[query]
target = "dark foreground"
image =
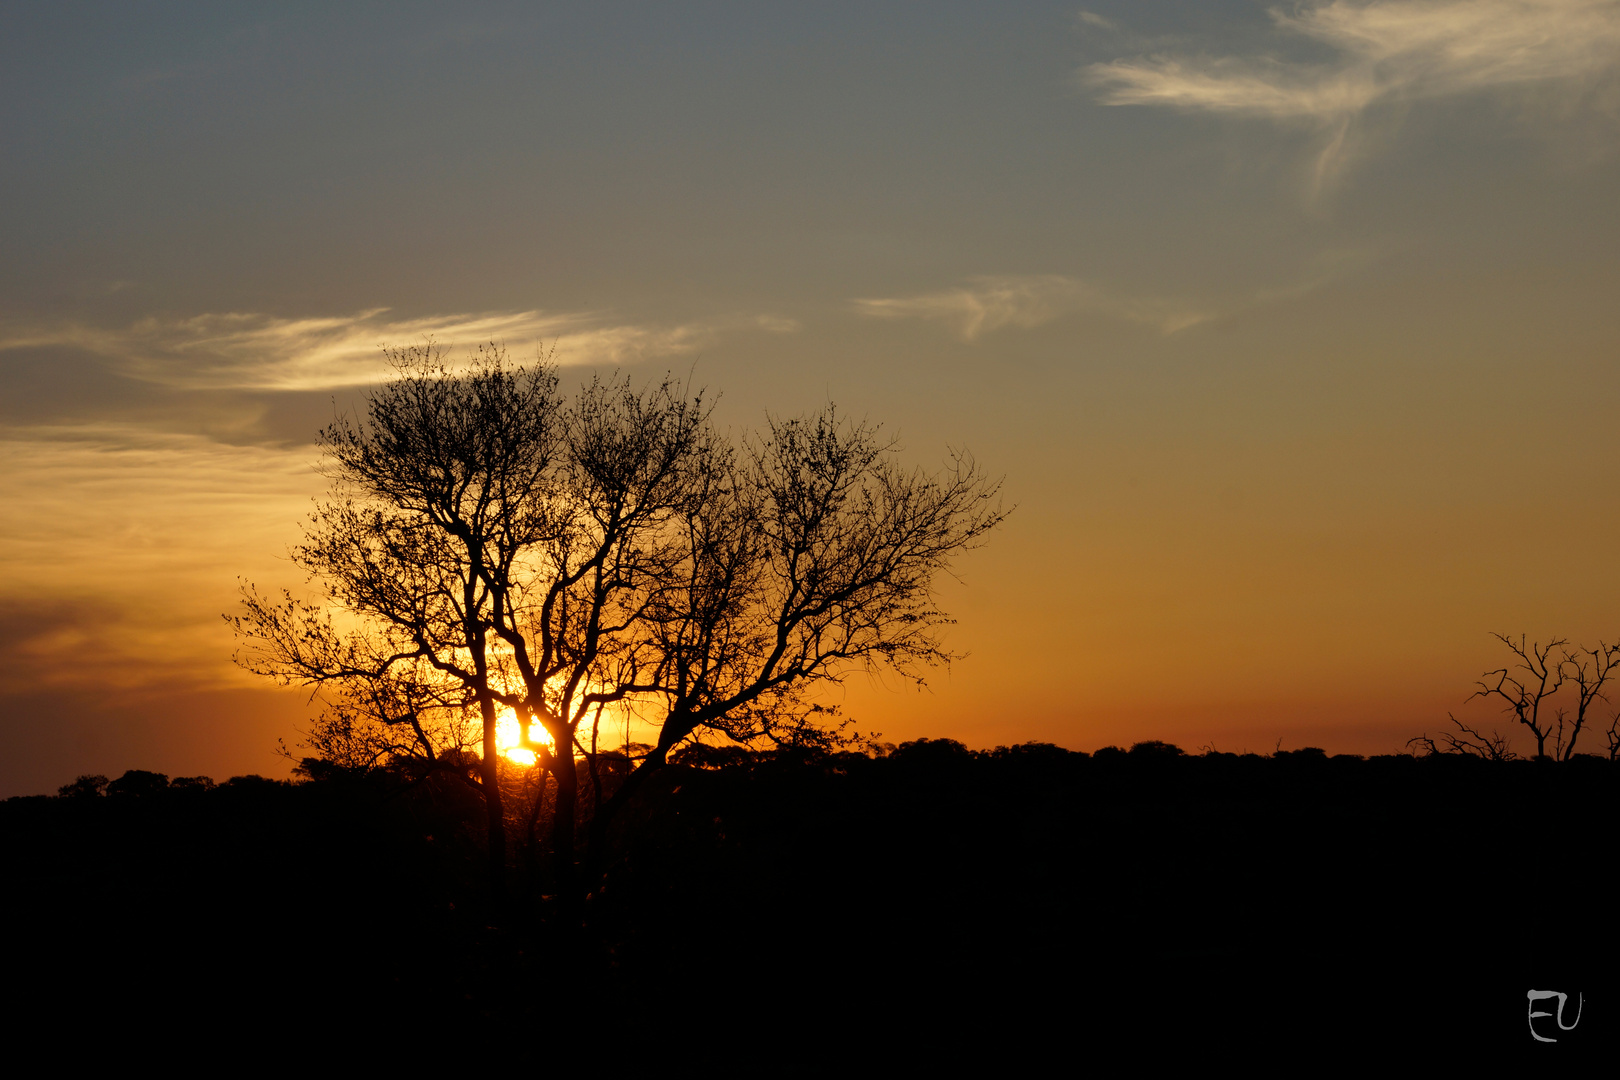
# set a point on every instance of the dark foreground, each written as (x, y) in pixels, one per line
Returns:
(933, 904)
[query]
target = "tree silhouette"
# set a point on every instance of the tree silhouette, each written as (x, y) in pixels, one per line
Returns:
(489, 547)
(88, 786)
(1524, 695)
(1588, 670)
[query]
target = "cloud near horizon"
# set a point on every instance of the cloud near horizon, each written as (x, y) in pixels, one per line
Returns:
(991, 302)
(1384, 51)
(122, 546)
(249, 351)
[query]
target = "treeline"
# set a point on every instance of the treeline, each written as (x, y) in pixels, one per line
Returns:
(1293, 897)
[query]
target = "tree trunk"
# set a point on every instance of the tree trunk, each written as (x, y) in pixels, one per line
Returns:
(671, 734)
(491, 772)
(565, 771)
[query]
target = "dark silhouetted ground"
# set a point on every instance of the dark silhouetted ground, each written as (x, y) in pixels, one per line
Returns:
(931, 904)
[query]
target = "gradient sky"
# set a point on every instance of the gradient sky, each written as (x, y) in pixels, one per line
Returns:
(1293, 330)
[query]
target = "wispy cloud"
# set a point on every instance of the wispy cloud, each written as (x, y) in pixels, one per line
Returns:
(263, 352)
(1383, 51)
(990, 303)
(129, 541)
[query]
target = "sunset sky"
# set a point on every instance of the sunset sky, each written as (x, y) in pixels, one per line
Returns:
(1293, 329)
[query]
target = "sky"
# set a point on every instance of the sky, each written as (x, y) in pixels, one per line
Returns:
(1292, 328)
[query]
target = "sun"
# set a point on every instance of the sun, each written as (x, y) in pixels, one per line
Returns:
(508, 733)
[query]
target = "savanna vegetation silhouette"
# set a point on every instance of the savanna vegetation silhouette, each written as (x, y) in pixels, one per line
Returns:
(813, 905)
(571, 788)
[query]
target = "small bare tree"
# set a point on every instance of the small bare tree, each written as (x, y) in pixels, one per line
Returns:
(1465, 740)
(1524, 695)
(1588, 670)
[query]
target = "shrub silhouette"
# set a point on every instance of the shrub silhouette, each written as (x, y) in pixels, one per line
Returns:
(89, 786)
(138, 783)
(1155, 748)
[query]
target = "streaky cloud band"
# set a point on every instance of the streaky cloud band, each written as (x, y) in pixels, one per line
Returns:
(251, 351)
(989, 303)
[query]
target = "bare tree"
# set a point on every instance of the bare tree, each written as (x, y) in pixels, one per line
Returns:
(1588, 670)
(1613, 734)
(490, 548)
(1524, 695)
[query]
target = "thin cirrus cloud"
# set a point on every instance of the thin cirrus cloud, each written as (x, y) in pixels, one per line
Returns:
(123, 544)
(985, 304)
(1383, 52)
(262, 352)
